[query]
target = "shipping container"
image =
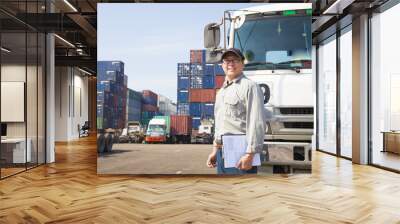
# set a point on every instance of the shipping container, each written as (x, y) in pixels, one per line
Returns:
(181, 125)
(209, 69)
(112, 95)
(183, 82)
(183, 69)
(149, 93)
(196, 69)
(196, 82)
(208, 82)
(183, 96)
(208, 110)
(149, 97)
(195, 109)
(197, 56)
(134, 105)
(108, 85)
(196, 121)
(219, 81)
(202, 95)
(166, 106)
(218, 70)
(149, 108)
(183, 109)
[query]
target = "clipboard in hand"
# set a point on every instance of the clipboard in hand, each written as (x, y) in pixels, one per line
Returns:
(233, 148)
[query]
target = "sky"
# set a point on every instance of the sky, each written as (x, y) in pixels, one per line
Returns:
(152, 38)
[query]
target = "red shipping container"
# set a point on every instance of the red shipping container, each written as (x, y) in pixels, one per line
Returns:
(149, 93)
(149, 108)
(181, 125)
(219, 81)
(202, 95)
(196, 56)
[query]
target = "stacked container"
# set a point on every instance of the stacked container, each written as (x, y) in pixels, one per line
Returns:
(149, 106)
(197, 84)
(166, 106)
(134, 105)
(111, 95)
(150, 101)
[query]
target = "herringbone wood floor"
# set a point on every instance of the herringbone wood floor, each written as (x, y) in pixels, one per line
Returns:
(69, 191)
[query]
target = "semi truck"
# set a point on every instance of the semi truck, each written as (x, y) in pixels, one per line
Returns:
(169, 129)
(276, 42)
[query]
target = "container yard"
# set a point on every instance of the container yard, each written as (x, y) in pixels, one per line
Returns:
(197, 85)
(122, 111)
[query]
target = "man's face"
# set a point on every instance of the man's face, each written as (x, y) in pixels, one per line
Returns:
(232, 65)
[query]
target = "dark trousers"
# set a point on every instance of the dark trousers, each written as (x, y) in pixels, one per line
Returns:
(222, 170)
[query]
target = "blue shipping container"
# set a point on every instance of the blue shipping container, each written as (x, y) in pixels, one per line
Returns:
(108, 86)
(208, 82)
(209, 69)
(196, 69)
(203, 110)
(150, 100)
(183, 82)
(196, 82)
(183, 69)
(183, 108)
(183, 96)
(219, 70)
(195, 109)
(208, 110)
(196, 122)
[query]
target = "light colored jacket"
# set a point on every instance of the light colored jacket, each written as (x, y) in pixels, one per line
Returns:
(239, 109)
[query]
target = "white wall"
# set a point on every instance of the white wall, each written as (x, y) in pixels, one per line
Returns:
(71, 102)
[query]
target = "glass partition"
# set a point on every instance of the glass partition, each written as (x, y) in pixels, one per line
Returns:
(327, 95)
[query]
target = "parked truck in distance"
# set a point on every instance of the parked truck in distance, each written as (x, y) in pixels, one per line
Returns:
(135, 132)
(205, 134)
(169, 129)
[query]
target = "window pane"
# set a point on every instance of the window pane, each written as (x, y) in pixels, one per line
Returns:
(385, 88)
(346, 94)
(327, 96)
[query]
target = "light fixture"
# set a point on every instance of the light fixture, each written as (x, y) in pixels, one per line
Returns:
(64, 40)
(70, 5)
(5, 50)
(84, 71)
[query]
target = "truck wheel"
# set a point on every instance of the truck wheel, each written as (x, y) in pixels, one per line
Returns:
(108, 142)
(100, 143)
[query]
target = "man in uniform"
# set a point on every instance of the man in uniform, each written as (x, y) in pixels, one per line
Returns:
(239, 109)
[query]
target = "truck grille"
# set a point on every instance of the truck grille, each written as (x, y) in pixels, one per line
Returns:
(297, 110)
(306, 125)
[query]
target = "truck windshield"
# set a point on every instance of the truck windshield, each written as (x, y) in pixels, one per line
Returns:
(275, 42)
(156, 128)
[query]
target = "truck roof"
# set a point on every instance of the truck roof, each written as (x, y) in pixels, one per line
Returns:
(271, 7)
(157, 121)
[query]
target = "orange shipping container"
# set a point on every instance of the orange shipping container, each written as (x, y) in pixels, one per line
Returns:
(202, 95)
(181, 124)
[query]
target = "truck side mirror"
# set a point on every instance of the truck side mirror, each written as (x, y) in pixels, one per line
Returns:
(212, 35)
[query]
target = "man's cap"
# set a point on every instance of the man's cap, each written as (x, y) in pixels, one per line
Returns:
(235, 51)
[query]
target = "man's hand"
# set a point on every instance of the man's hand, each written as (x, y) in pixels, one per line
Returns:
(246, 162)
(212, 159)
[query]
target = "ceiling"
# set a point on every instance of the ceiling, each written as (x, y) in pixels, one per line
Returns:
(75, 22)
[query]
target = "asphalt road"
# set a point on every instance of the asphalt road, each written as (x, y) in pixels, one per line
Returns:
(156, 159)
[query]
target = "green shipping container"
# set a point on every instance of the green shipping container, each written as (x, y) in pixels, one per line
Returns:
(167, 122)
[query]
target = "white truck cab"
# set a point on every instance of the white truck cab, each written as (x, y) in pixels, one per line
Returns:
(276, 42)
